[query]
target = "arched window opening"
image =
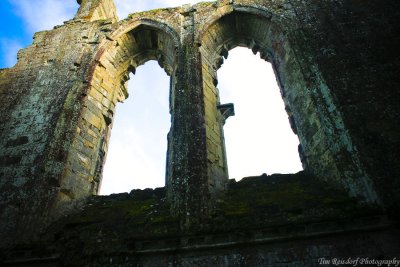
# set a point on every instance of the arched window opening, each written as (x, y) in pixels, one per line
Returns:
(258, 138)
(136, 155)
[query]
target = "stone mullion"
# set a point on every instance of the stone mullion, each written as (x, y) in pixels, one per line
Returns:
(187, 187)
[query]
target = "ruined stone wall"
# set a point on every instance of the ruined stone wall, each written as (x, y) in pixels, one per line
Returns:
(335, 62)
(41, 104)
(355, 45)
(308, 252)
(278, 34)
(289, 220)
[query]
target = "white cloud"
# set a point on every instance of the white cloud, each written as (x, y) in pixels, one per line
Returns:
(258, 138)
(44, 14)
(9, 49)
(137, 151)
(129, 165)
(36, 16)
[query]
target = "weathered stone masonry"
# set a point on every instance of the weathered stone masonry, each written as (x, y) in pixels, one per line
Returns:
(336, 63)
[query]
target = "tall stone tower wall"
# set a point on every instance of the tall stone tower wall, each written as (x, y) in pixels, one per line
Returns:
(336, 63)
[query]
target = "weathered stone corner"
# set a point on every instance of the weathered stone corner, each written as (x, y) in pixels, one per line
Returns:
(92, 10)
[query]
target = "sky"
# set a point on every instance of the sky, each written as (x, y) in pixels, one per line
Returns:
(258, 138)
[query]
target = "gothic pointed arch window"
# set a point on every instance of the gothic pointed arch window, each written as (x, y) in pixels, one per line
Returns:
(136, 157)
(135, 45)
(258, 138)
(309, 105)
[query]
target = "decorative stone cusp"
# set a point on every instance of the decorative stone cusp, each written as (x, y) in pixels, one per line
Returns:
(226, 110)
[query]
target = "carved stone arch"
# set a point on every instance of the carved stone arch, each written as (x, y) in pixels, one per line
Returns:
(310, 106)
(129, 25)
(134, 25)
(128, 47)
(224, 10)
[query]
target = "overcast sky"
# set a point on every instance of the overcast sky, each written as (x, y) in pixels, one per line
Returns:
(258, 139)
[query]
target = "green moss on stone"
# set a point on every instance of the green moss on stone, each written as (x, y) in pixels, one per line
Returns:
(280, 199)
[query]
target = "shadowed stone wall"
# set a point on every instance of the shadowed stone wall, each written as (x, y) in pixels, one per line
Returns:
(336, 63)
